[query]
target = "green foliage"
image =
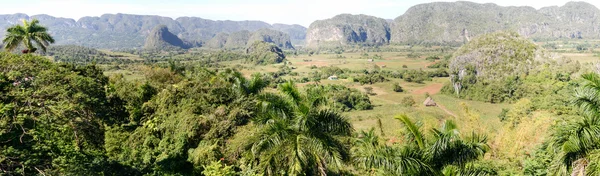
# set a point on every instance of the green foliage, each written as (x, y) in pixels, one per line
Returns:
(52, 118)
(218, 169)
(27, 33)
(413, 55)
(397, 87)
(297, 135)
(408, 101)
(503, 67)
(264, 53)
(340, 97)
(370, 77)
(445, 153)
(576, 143)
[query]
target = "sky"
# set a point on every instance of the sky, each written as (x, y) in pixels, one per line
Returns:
(301, 12)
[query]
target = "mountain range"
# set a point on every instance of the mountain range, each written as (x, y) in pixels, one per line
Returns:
(130, 31)
(430, 23)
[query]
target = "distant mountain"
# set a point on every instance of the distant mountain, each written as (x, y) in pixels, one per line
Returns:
(238, 40)
(296, 32)
(203, 29)
(243, 39)
(130, 31)
(348, 29)
(218, 41)
(280, 39)
(448, 22)
(431, 23)
(160, 38)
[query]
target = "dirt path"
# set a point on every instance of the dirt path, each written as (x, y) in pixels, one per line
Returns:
(432, 89)
(446, 110)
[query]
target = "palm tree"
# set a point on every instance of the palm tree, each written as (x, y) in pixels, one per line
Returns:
(298, 135)
(27, 33)
(447, 153)
(578, 142)
(370, 155)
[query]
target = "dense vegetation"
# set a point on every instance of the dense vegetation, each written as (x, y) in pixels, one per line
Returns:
(501, 67)
(82, 111)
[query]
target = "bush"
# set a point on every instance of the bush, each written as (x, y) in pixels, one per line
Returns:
(218, 169)
(398, 88)
(408, 101)
(341, 97)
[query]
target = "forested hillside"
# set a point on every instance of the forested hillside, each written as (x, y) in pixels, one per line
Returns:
(115, 31)
(448, 22)
(455, 22)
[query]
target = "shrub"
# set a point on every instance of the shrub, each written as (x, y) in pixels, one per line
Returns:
(218, 169)
(398, 88)
(408, 101)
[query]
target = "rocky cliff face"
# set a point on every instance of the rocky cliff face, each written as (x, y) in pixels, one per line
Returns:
(160, 38)
(447, 22)
(348, 29)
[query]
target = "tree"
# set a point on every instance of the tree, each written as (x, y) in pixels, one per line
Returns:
(397, 88)
(447, 152)
(298, 135)
(370, 155)
(52, 118)
(26, 33)
(577, 143)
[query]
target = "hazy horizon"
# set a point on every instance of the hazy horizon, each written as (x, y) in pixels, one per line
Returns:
(287, 12)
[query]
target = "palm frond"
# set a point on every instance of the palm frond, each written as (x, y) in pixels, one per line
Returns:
(30, 30)
(290, 89)
(414, 131)
(328, 122)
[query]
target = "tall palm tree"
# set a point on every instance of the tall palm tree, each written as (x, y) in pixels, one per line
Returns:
(27, 34)
(298, 136)
(578, 142)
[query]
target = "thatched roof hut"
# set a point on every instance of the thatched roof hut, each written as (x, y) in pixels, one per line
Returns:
(429, 102)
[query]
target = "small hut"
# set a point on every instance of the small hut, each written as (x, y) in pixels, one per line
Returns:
(370, 60)
(429, 102)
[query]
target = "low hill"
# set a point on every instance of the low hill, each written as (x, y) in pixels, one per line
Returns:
(264, 53)
(160, 38)
(497, 67)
